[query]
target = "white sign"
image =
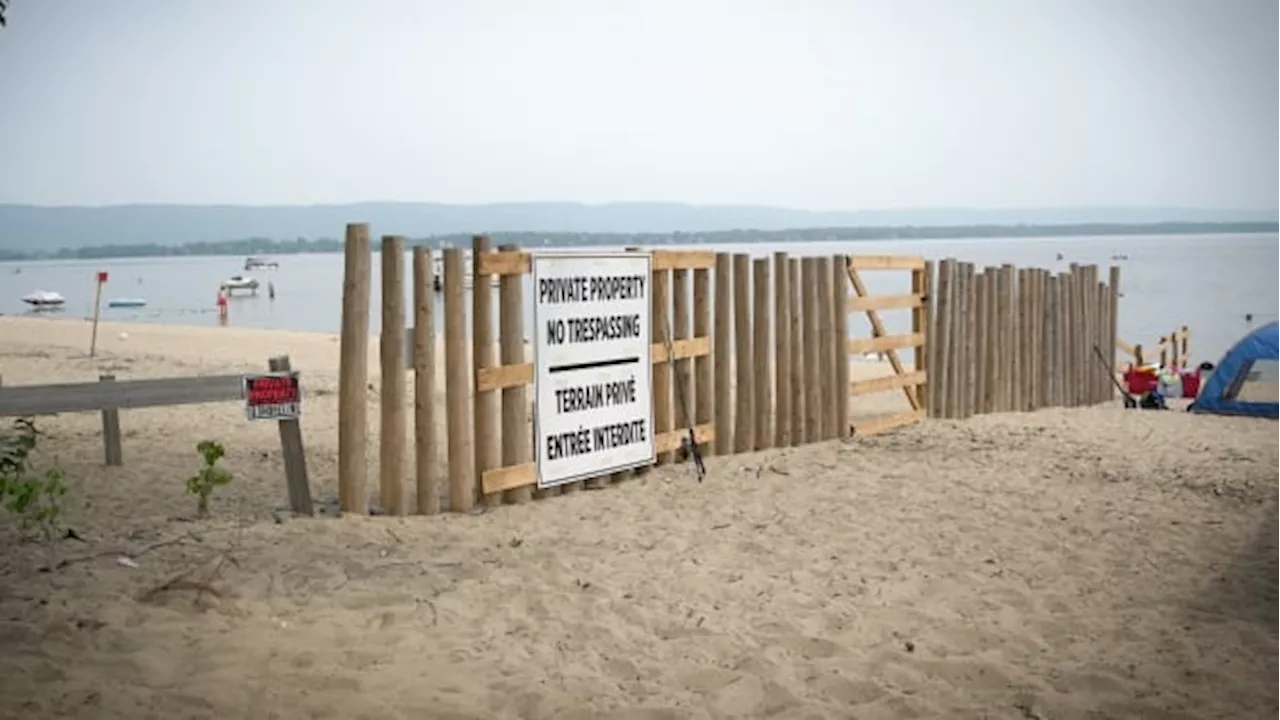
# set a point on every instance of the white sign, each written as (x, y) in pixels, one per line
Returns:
(593, 372)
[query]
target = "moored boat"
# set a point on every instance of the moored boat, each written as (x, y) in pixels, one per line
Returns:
(126, 303)
(44, 299)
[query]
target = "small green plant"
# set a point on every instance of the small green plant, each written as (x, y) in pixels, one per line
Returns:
(210, 476)
(32, 494)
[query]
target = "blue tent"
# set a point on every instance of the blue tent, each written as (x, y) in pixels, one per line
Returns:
(1253, 359)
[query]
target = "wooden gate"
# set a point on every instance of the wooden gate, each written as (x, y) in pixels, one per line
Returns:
(910, 380)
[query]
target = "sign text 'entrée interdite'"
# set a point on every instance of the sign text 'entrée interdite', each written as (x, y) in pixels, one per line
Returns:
(592, 365)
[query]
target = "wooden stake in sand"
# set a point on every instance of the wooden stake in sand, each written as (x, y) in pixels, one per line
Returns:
(97, 311)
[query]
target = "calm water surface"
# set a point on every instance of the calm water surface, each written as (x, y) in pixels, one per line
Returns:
(1207, 282)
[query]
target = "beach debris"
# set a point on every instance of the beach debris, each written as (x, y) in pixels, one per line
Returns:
(126, 562)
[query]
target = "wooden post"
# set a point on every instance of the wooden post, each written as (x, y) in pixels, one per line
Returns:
(921, 281)
(292, 453)
(353, 373)
(840, 343)
(703, 404)
(945, 365)
(812, 366)
(825, 349)
(424, 383)
(682, 388)
(1024, 339)
(723, 349)
(517, 437)
(112, 445)
(391, 437)
(966, 345)
(457, 388)
(782, 350)
(660, 301)
(97, 312)
(487, 438)
(1008, 338)
(795, 333)
(981, 358)
(991, 319)
(1052, 364)
(1113, 322)
(744, 426)
(761, 395)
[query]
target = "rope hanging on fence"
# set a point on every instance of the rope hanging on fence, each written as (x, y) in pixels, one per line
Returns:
(689, 445)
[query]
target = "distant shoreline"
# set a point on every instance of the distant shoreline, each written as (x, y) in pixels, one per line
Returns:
(304, 246)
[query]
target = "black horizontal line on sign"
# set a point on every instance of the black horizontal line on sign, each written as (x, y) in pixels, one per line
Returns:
(611, 362)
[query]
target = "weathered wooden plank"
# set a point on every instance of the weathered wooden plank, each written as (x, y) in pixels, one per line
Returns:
(886, 262)
(17, 400)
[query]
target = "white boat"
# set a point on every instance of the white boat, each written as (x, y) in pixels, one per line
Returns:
(240, 282)
(126, 303)
(254, 263)
(44, 299)
(467, 278)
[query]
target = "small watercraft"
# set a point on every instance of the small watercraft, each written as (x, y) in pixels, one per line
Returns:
(126, 303)
(240, 282)
(254, 263)
(44, 299)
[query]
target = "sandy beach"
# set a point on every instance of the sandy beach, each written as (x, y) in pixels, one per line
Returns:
(1084, 563)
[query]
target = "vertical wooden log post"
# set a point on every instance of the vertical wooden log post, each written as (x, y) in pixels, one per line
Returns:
(921, 281)
(1113, 322)
(660, 302)
(391, 435)
(826, 351)
(840, 342)
(812, 367)
(517, 435)
(1024, 339)
(682, 387)
(487, 438)
(459, 375)
(943, 369)
(782, 350)
(967, 347)
(723, 349)
(292, 453)
(991, 371)
(795, 306)
(112, 443)
(425, 448)
(761, 394)
(704, 391)
(353, 373)
(981, 359)
(1008, 338)
(744, 426)
(1052, 364)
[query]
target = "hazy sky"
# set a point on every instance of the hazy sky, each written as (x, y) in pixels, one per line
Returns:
(821, 104)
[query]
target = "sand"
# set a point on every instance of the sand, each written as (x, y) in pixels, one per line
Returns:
(1094, 563)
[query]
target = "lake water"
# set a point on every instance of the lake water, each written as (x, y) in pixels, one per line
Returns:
(1206, 282)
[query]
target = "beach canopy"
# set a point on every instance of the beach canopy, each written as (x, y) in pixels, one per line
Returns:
(1245, 382)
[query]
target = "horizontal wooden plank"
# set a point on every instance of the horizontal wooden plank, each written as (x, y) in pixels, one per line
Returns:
(504, 262)
(1124, 347)
(888, 382)
(683, 260)
(672, 440)
(504, 376)
(884, 302)
(681, 349)
(885, 423)
(886, 262)
(19, 400)
(508, 478)
(886, 342)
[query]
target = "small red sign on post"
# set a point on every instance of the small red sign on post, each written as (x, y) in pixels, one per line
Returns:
(102, 276)
(273, 396)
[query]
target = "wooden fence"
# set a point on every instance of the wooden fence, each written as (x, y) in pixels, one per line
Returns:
(1010, 340)
(745, 355)
(1172, 350)
(110, 396)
